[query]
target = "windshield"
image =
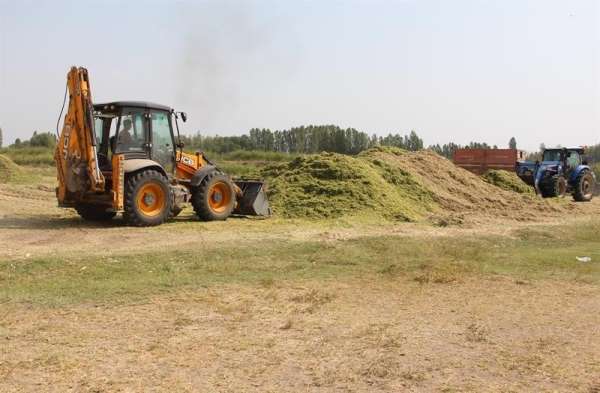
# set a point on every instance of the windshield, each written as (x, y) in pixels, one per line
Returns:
(552, 155)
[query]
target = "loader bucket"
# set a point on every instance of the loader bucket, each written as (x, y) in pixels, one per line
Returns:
(253, 201)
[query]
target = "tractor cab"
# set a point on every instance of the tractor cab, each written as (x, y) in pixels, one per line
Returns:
(137, 130)
(569, 158)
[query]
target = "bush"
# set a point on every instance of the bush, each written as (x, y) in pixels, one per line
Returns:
(45, 139)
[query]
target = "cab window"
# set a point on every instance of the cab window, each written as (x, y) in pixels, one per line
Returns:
(162, 140)
(552, 155)
(574, 159)
(131, 135)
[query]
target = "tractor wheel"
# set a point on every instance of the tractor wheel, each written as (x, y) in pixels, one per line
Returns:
(584, 187)
(147, 201)
(94, 212)
(559, 183)
(214, 198)
(554, 187)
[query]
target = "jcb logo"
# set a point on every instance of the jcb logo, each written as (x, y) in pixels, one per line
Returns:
(187, 161)
(67, 136)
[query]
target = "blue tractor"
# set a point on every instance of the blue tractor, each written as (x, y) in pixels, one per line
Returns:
(560, 172)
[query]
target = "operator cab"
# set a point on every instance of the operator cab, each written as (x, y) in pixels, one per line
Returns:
(573, 157)
(138, 130)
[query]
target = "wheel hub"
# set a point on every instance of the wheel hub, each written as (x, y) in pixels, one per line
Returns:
(217, 196)
(149, 199)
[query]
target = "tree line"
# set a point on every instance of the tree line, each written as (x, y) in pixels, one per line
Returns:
(42, 139)
(310, 139)
(328, 138)
(303, 139)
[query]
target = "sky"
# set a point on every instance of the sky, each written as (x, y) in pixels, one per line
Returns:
(460, 70)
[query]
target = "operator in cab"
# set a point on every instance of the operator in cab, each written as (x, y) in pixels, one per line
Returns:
(125, 134)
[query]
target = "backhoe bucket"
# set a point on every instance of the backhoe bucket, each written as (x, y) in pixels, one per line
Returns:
(254, 200)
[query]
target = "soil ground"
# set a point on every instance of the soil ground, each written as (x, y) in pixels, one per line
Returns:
(378, 327)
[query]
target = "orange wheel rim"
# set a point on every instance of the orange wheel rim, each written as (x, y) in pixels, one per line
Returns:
(151, 199)
(219, 196)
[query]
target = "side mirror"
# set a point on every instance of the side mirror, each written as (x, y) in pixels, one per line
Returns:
(180, 145)
(585, 162)
(184, 116)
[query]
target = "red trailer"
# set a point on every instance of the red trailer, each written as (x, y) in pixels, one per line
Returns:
(479, 161)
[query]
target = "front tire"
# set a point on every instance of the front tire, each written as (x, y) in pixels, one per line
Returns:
(584, 187)
(214, 198)
(147, 199)
(556, 187)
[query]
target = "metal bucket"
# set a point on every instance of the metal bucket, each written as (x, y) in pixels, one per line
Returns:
(254, 201)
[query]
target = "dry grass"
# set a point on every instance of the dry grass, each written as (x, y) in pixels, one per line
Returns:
(372, 336)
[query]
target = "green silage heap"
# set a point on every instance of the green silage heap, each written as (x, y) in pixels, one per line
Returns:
(508, 181)
(330, 185)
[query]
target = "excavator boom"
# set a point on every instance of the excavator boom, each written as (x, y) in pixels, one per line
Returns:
(76, 154)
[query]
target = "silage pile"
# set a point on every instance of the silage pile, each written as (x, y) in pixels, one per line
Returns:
(391, 183)
(9, 170)
(508, 181)
(332, 185)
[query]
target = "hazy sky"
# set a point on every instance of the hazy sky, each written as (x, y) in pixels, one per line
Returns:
(457, 70)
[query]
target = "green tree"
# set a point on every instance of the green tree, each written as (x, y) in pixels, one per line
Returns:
(44, 139)
(0, 137)
(512, 144)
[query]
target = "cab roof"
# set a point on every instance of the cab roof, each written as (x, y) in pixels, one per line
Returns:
(579, 149)
(135, 104)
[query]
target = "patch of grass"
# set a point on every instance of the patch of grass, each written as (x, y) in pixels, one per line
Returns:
(241, 169)
(252, 155)
(55, 280)
(9, 171)
(30, 156)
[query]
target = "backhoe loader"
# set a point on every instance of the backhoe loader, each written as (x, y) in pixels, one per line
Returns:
(126, 157)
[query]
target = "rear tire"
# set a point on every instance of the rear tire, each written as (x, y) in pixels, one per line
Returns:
(584, 187)
(94, 212)
(214, 198)
(147, 199)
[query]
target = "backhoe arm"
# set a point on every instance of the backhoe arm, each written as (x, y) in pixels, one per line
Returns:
(76, 154)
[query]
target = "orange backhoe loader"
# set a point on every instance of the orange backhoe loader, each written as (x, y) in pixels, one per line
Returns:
(126, 157)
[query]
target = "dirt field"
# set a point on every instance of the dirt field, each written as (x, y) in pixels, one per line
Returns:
(355, 305)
